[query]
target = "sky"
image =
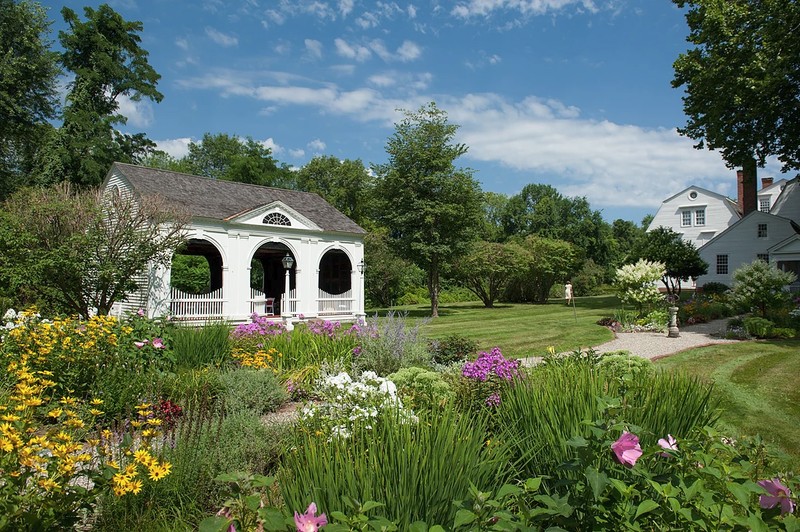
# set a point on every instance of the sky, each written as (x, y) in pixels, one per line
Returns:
(571, 93)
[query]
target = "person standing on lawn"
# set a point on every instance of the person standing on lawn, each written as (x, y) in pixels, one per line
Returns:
(568, 292)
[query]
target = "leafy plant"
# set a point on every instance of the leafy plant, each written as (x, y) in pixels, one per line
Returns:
(254, 390)
(195, 347)
(388, 344)
(421, 389)
(454, 348)
(761, 286)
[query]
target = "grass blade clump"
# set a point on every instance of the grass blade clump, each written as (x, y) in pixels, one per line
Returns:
(194, 347)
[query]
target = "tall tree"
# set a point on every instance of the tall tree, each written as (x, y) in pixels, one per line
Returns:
(232, 158)
(742, 80)
(345, 184)
(28, 71)
(431, 208)
(488, 268)
(679, 257)
(108, 64)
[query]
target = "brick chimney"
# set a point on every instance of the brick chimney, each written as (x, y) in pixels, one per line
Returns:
(766, 181)
(747, 193)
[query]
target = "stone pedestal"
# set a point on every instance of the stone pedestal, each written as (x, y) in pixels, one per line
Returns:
(673, 323)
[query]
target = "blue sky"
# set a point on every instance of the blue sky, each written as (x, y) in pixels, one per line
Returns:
(571, 93)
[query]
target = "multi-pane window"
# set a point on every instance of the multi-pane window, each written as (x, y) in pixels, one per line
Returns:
(762, 230)
(700, 217)
(763, 205)
(722, 265)
(276, 218)
(686, 218)
(763, 256)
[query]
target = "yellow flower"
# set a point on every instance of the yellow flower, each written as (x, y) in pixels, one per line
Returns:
(56, 412)
(136, 424)
(149, 433)
(142, 456)
(48, 484)
(10, 417)
(135, 486)
(6, 445)
(96, 412)
(159, 471)
(154, 421)
(96, 402)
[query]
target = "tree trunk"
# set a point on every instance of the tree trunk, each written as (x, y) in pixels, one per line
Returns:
(433, 289)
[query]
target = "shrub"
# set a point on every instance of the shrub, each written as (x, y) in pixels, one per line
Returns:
(416, 469)
(254, 390)
(714, 288)
(421, 389)
(761, 286)
(636, 284)
(622, 364)
(388, 344)
(758, 327)
(454, 348)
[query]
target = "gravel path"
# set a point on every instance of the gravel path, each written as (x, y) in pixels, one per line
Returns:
(656, 345)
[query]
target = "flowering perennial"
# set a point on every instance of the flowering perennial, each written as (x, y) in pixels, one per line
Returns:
(309, 521)
(627, 449)
(493, 363)
(779, 495)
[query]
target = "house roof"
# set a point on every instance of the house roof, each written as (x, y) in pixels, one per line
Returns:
(725, 199)
(733, 227)
(222, 200)
(789, 189)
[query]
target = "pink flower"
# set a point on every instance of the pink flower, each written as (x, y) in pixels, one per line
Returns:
(140, 344)
(140, 312)
(627, 449)
(226, 512)
(158, 343)
(778, 494)
(308, 522)
(668, 444)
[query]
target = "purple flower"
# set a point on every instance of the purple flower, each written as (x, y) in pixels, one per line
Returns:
(668, 444)
(141, 344)
(488, 364)
(627, 449)
(778, 494)
(308, 522)
(356, 350)
(158, 343)
(493, 400)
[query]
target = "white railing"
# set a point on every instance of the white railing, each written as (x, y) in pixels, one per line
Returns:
(328, 304)
(261, 304)
(184, 306)
(291, 301)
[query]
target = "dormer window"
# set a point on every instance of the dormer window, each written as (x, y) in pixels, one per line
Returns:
(276, 218)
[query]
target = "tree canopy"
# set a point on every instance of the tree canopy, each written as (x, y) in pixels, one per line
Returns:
(742, 80)
(680, 258)
(431, 208)
(104, 55)
(345, 184)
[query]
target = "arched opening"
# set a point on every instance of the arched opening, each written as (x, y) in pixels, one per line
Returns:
(335, 283)
(268, 278)
(197, 267)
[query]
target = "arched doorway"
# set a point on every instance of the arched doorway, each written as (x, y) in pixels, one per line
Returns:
(196, 281)
(268, 279)
(335, 283)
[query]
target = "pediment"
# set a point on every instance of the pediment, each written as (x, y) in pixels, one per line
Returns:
(275, 215)
(791, 246)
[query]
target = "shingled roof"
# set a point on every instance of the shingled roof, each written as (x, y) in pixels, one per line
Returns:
(221, 200)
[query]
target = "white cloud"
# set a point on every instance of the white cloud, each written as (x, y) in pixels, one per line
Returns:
(412, 11)
(182, 43)
(221, 38)
(316, 145)
(484, 8)
(272, 145)
(313, 48)
(177, 148)
(139, 114)
(274, 17)
(367, 20)
(345, 7)
(356, 52)
(408, 51)
(283, 47)
(297, 153)
(343, 70)
(382, 80)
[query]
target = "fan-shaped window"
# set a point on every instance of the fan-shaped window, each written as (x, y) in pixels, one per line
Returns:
(276, 218)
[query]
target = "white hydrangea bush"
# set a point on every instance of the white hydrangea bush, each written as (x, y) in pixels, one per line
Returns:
(345, 403)
(636, 283)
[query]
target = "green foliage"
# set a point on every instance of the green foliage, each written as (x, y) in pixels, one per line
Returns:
(763, 328)
(762, 287)
(190, 273)
(388, 276)
(389, 344)
(680, 257)
(739, 81)
(421, 389)
(454, 348)
(194, 347)
(79, 250)
(623, 365)
(488, 268)
(635, 284)
(28, 73)
(431, 208)
(714, 289)
(104, 55)
(444, 450)
(539, 419)
(345, 184)
(549, 262)
(701, 308)
(588, 281)
(252, 390)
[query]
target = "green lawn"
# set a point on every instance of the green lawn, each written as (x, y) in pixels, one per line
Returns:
(520, 330)
(757, 382)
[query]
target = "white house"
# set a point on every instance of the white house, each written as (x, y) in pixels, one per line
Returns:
(311, 255)
(769, 193)
(697, 214)
(772, 236)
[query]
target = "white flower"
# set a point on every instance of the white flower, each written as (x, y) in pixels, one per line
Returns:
(388, 387)
(10, 315)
